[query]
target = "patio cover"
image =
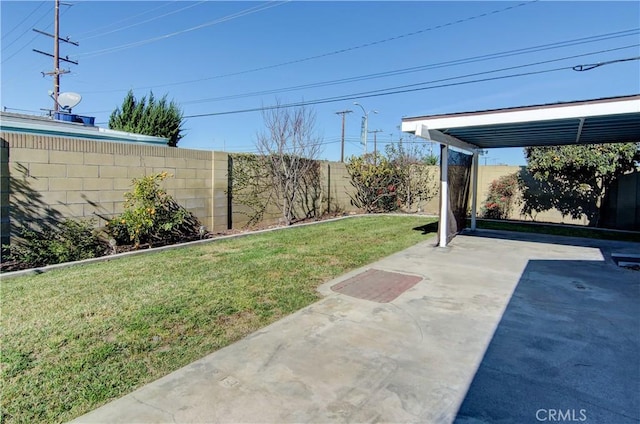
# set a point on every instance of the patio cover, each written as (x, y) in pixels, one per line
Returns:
(604, 120)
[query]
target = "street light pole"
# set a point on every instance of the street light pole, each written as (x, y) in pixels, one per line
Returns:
(366, 124)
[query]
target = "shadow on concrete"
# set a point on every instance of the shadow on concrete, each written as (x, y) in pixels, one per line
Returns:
(567, 346)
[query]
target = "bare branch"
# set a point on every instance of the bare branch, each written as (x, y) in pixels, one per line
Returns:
(291, 147)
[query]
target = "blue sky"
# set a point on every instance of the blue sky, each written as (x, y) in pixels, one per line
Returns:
(213, 57)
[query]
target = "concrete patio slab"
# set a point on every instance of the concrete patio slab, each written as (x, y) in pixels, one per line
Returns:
(501, 327)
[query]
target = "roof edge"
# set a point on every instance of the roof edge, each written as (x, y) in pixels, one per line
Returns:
(524, 108)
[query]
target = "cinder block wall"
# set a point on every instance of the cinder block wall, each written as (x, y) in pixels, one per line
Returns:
(219, 172)
(82, 179)
(49, 178)
(487, 174)
(336, 187)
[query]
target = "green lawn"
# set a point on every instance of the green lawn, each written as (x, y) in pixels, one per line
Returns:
(76, 338)
(559, 230)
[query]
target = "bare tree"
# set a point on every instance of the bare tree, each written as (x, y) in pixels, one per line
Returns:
(291, 147)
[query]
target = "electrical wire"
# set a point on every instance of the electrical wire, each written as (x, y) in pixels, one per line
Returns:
(144, 22)
(128, 18)
(583, 68)
(336, 52)
(242, 13)
(458, 61)
(4, 48)
(406, 89)
(21, 49)
(24, 20)
(438, 65)
(543, 62)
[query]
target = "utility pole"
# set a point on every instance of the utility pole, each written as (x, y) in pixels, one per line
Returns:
(56, 53)
(343, 113)
(375, 144)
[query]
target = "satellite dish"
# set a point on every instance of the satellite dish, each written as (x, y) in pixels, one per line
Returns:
(69, 100)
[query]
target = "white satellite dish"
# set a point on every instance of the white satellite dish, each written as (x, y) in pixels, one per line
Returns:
(69, 100)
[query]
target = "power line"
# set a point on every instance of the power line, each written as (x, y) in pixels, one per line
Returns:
(128, 18)
(4, 48)
(590, 66)
(335, 52)
(144, 22)
(173, 34)
(23, 21)
(509, 68)
(406, 89)
(437, 65)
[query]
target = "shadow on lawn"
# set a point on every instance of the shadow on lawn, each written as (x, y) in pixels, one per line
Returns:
(429, 228)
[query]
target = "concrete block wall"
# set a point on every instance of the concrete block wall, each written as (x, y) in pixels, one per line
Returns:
(336, 187)
(487, 174)
(218, 193)
(83, 179)
(339, 194)
(49, 178)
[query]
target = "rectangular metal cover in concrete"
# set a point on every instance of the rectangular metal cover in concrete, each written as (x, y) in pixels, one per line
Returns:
(376, 285)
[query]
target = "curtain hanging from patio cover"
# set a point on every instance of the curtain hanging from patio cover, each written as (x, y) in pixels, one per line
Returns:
(459, 178)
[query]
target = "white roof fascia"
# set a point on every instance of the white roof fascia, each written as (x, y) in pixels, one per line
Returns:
(134, 136)
(52, 127)
(522, 116)
(434, 135)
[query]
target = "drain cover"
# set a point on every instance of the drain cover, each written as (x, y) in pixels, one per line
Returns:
(376, 285)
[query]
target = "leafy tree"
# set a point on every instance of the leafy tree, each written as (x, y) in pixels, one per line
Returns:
(149, 116)
(431, 159)
(575, 179)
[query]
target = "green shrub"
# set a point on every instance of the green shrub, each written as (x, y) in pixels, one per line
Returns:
(376, 183)
(152, 216)
(398, 180)
(69, 241)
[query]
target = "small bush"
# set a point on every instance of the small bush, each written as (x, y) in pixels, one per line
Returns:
(70, 241)
(398, 180)
(152, 216)
(501, 197)
(376, 183)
